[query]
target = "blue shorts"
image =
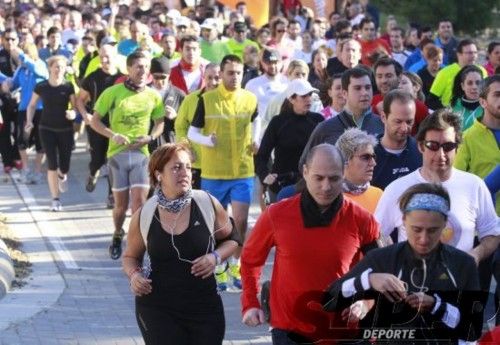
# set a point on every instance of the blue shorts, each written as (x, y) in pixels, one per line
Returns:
(225, 191)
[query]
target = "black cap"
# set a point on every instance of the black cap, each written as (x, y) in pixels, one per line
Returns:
(240, 27)
(270, 55)
(160, 65)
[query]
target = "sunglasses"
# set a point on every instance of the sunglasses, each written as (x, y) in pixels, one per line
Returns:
(10, 39)
(280, 31)
(159, 76)
(367, 157)
(435, 146)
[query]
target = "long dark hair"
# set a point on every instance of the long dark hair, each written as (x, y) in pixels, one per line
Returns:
(457, 92)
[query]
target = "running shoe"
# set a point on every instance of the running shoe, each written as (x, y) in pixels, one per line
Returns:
(18, 164)
(91, 182)
(24, 177)
(115, 248)
(234, 273)
(221, 277)
(63, 183)
(56, 206)
(36, 178)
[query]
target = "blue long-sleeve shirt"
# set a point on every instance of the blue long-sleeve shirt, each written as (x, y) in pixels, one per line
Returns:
(27, 75)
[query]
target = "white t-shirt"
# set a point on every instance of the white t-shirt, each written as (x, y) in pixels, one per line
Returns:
(299, 54)
(471, 209)
(265, 89)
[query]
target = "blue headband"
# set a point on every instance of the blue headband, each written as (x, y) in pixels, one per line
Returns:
(428, 202)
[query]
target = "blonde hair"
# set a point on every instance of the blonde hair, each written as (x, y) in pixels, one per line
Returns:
(56, 58)
(296, 64)
(31, 50)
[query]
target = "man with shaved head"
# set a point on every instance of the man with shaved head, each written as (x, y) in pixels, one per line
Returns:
(318, 235)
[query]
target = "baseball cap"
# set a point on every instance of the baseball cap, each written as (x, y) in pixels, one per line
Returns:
(108, 40)
(173, 13)
(270, 55)
(209, 23)
(182, 21)
(240, 26)
(160, 65)
(299, 87)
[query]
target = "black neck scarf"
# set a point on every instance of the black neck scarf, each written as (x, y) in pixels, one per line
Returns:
(311, 213)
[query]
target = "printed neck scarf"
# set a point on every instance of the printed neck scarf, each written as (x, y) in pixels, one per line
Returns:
(174, 205)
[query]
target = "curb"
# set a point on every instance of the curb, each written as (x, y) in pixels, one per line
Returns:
(45, 284)
(7, 273)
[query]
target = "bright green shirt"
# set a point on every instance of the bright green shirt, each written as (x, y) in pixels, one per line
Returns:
(214, 51)
(478, 153)
(185, 116)
(130, 113)
(237, 48)
(442, 86)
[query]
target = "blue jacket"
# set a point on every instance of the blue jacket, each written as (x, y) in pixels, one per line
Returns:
(391, 166)
(45, 53)
(27, 75)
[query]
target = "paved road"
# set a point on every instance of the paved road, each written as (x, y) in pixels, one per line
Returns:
(77, 294)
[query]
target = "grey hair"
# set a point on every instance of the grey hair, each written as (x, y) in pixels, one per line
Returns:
(352, 140)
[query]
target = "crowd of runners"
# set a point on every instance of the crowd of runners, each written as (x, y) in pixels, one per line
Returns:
(352, 135)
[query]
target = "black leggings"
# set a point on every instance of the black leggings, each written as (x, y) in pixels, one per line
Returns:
(98, 149)
(160, 327)
(57, 147)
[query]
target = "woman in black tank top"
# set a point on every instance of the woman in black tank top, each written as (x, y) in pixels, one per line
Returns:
(177, 301)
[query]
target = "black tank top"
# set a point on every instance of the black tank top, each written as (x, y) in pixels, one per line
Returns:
(174, 287)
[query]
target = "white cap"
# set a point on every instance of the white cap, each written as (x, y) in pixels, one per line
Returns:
(209, 23)
(173, 13)
(183, 21)
(299, 87)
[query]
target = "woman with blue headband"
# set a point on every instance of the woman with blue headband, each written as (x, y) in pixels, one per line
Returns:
(424, 291)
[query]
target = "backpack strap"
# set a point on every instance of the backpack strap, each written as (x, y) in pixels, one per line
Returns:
(207, 208)
(146, 217)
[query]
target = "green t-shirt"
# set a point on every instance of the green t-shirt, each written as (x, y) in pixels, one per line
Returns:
(237, 48)
(213, 52)
(442, 86)
(130, 113)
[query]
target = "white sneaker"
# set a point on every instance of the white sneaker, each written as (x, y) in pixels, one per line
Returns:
(63, 183)
(36, 178)
(24, 177)
(56, 206)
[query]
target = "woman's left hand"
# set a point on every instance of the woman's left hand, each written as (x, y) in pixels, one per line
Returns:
(204, 266)
(420, 301)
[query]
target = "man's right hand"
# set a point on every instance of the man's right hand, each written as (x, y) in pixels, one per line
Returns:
(254, 317)
(389, 285)
(120, 139)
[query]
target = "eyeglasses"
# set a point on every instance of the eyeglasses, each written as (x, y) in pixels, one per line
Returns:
(159, 76)
(435, 146)
(367, 157)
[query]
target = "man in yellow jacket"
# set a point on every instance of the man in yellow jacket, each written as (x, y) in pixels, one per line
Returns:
(226, 126)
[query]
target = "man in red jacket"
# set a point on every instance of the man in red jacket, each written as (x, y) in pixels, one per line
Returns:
(188, 74)
(318, 236)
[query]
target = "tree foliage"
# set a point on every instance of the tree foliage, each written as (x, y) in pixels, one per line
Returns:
(467, 16)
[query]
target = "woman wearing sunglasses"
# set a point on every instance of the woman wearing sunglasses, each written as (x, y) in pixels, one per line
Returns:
(425, 291)
(358, 149)
(472, 210)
